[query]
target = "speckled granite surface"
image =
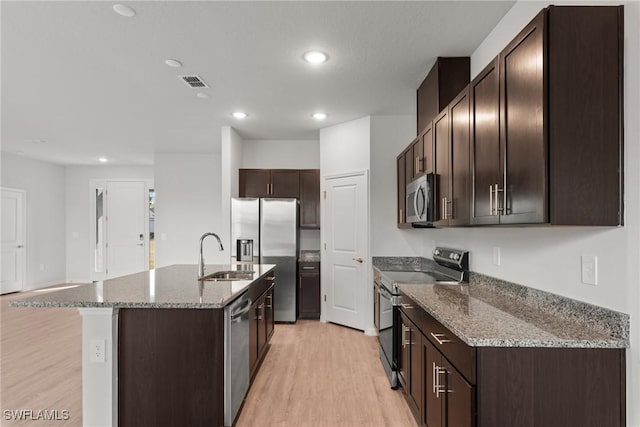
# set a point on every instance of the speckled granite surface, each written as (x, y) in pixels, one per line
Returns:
(174, 286)
(402, 263)
(493, 313)
(309, 256)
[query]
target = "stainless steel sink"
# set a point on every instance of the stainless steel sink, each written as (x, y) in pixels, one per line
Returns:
(228, 276)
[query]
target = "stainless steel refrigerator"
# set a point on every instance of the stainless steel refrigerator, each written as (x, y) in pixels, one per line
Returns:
(272, 226)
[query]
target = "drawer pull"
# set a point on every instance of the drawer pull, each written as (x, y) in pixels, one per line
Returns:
(308, 268)
(406, 306)
(441, 338)
(439, 388)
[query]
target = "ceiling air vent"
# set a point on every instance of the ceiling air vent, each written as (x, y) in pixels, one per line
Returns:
(194, 81)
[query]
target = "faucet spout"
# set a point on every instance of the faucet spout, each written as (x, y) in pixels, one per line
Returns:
(201, 259)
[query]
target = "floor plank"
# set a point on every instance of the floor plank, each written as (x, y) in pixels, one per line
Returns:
(314, 374)
(320, 374)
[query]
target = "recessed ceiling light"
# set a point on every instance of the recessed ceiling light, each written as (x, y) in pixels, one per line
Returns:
(103, 159)
(123, 10)
(315, 57)
(239, 115)
(319, 116)
(202, 95)
(173, 63)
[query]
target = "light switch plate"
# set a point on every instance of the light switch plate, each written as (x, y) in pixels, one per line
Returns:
(589, 269)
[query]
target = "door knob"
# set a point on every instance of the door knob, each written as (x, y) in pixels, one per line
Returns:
(360, 260)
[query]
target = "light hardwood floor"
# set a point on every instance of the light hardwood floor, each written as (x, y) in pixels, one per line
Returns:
(314, 374)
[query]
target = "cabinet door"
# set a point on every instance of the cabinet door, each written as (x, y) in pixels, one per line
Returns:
(485, 143)
(402, 188)
(310, 198)
(427, 149)
(254, 182)
(523, 141)
(434, 385)
(262, 326)
(253, 336)
(418, 157)
(309, 297)
(415, 372)
(268, 313)
(285, 183)
(460, 184)
(442, 167)
(460, 403)
(404, 352)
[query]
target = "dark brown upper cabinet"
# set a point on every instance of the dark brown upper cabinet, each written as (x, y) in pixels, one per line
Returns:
(451, 136)
(269, 183)
(442, 168)
(427, 148)
(310, 198)
(401, 190)
(559, 127)
(445, 80)
(484, 94)
(418, 158)
(459, 152)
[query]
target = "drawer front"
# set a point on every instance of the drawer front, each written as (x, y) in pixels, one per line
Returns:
(309, 267)
(462, 356)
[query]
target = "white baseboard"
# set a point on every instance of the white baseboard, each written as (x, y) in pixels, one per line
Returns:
(371, 332)
(41, 285)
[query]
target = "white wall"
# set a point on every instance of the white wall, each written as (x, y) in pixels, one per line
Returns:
(345, 147)
(78, 196)
(188, 195)
(232, 147)
(549, 258)
(44, 184)
(389, 136)
(281, 154)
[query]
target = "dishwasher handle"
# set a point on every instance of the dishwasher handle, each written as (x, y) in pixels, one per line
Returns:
(240, 311)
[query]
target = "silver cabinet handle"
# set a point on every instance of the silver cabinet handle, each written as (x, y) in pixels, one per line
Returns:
(439, 387)
(404, 341)
(270, 279)
(260, 311)
(497, 204)
(434, 379)
(406, 306)
(359, 260)
(308, 268)
(441, 338)
(491, 200)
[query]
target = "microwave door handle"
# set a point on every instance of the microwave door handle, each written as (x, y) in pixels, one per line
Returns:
(415, 201)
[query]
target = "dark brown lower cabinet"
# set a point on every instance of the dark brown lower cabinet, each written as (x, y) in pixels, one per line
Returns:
(261, 327)
(463, 386)
(309, 290)
(170, 367)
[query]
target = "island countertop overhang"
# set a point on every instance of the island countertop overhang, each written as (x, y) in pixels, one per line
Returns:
(175, 286)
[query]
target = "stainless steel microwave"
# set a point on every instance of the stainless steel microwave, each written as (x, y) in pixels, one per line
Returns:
(420, 200)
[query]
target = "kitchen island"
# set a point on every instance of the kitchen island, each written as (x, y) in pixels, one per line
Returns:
(154, 342)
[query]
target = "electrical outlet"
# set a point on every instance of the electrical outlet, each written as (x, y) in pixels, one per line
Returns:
(496, 255)
(589, 269)
(97, 351)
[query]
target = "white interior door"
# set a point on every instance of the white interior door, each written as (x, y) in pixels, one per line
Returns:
(13, 251)
(126, 233)
(344, 266)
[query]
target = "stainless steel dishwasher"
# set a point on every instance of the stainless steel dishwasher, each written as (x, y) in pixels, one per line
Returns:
(236, 356)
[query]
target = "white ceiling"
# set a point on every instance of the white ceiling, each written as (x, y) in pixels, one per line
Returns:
(91, 83)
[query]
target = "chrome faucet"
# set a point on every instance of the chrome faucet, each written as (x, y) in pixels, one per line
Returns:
(201, 261)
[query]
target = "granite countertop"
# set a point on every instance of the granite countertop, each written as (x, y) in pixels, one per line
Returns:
(489, 312)
(309, 256)
(175, 286)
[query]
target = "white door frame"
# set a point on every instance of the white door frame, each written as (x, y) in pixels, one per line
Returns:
(23, 231)
(369, 327)
(102, 183)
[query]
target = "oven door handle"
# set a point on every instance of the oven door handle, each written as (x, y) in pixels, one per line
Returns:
(385, 293)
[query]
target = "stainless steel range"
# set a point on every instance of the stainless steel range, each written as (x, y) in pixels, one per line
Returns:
(452, 268)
